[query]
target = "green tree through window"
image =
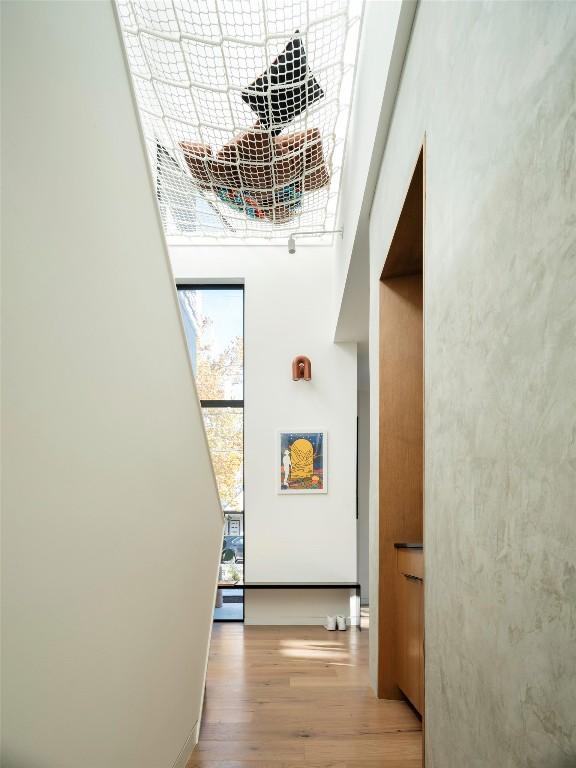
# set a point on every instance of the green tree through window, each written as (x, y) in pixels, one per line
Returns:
(213, 321)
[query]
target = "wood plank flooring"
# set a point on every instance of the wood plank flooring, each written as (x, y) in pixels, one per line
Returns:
(299, 697)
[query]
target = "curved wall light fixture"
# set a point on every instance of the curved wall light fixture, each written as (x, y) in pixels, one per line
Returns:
(301, 368)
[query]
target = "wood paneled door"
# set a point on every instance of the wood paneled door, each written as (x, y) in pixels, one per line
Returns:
(401, 444)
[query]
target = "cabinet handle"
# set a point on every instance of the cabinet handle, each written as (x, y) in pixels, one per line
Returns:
(411, 578)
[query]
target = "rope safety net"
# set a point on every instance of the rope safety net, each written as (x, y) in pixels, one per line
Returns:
(244, 107)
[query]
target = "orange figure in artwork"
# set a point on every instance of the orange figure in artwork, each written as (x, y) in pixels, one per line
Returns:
(302, 459)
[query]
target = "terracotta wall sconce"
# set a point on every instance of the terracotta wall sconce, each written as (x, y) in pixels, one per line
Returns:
(301, 368)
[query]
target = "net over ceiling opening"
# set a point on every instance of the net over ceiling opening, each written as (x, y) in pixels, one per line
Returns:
(244, 107)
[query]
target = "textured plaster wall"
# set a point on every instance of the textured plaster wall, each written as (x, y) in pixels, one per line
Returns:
(493, 87)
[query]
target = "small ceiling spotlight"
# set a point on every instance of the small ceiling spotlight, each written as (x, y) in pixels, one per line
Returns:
(292, 241)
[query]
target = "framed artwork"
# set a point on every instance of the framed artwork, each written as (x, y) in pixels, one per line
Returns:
(301, 462)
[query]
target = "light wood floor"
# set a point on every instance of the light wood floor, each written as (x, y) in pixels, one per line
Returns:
(285, 697)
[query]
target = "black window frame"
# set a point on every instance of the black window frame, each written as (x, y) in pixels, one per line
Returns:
(192, 286)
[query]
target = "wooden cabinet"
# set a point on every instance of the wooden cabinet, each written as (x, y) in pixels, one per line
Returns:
(410, 626)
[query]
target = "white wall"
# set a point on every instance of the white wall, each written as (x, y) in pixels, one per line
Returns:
(492, 86)
(383, 42)
(111, 527)
(287, 313)
(384, 37)
(363, 491)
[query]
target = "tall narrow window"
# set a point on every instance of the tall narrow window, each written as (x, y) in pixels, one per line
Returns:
(213, 318)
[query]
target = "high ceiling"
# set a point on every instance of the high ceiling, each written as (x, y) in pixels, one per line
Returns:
(244, 107)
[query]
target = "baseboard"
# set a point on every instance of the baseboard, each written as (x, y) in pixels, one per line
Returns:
(293, 606)
(288, 621)
(284, 621)
(188, 748)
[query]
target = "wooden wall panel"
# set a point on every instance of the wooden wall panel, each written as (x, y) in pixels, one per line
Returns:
(405, 254)
(401, 449)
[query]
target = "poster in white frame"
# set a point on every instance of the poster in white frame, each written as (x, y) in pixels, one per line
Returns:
(301, 461)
